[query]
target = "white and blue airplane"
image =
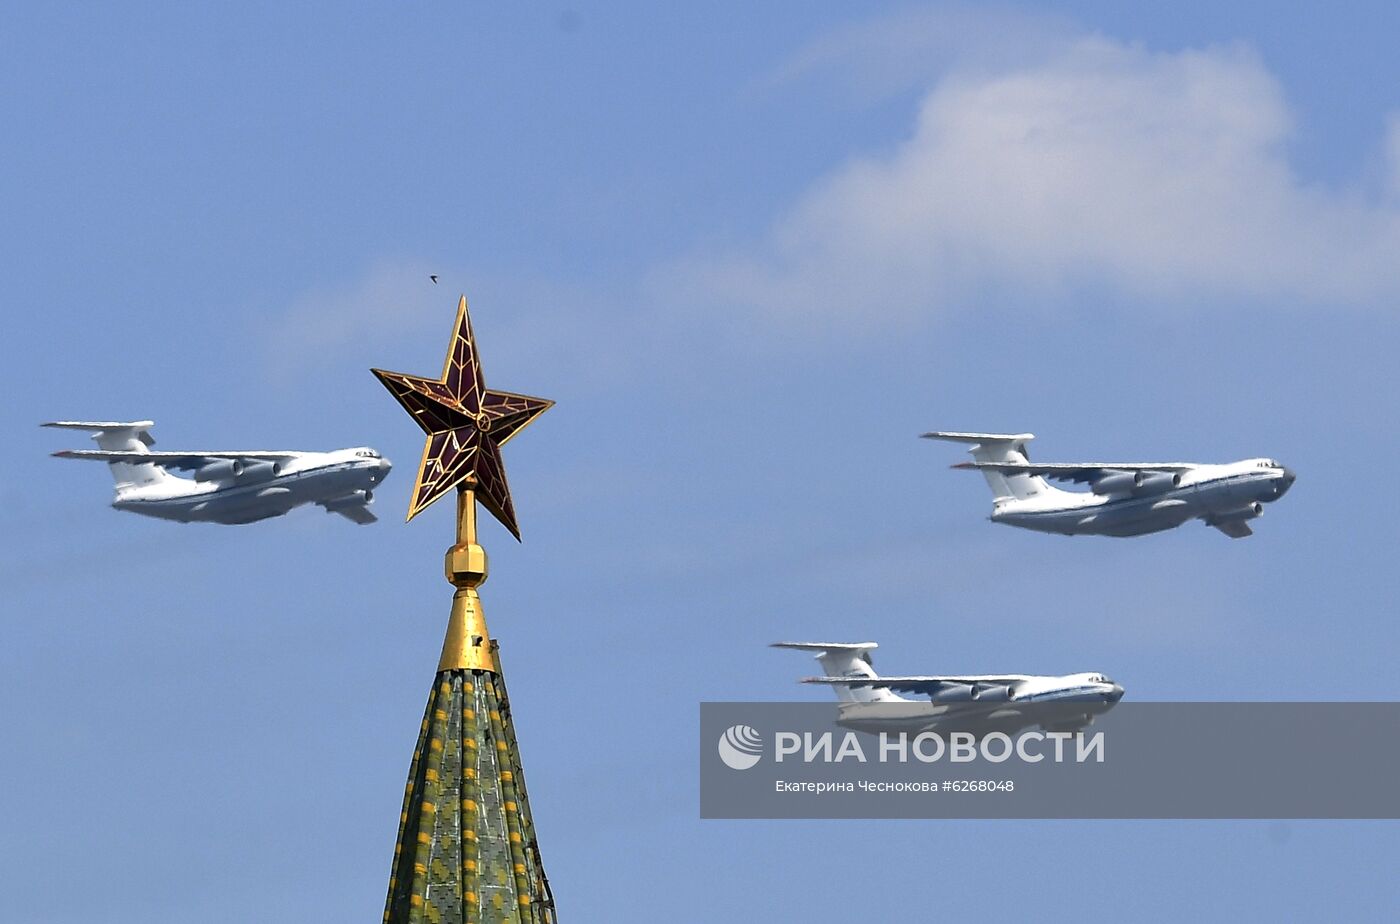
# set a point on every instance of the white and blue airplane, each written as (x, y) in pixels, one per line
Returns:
(1124, 498)
(1006, 702)
(228, 487)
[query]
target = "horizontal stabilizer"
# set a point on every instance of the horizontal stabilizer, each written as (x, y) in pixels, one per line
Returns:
(123, 445)
(100, 425)
(112, 434)
(953, 436)
(846, 659)
(995, 449)
(826, 646)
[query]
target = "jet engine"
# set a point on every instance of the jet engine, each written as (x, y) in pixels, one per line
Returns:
(1136, 483)
(1154, 482)
(1255, 509)
(219, 470)
(237, 470)
(260, 471)
(353, 499)
(1118, 483)
(993, 694)
(953, 693)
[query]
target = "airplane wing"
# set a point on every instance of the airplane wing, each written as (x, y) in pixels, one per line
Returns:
(1081, 472)
(176, 460)
(357, 513)
(1235, 529)
(926, 685)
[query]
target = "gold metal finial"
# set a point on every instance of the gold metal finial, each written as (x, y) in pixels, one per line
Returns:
(467, 646)
(468, 643)
(466, 561)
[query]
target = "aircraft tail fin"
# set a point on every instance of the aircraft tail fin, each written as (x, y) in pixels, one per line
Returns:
(999, 447)
(130, 436)
(847, 659)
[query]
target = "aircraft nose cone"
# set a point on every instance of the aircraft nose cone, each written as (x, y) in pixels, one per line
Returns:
(1115, 693)
(1285, 481)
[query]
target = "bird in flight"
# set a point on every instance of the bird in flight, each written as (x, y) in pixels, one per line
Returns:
(433, 278)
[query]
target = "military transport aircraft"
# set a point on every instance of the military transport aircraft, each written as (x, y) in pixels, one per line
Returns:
(949, 702)
(228, 487)
(1124, 498)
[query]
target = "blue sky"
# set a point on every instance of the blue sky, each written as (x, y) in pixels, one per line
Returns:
(751, 253)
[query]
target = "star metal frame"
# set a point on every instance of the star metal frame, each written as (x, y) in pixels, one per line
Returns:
(467, 424)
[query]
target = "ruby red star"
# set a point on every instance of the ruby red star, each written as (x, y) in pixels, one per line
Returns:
(467, 424)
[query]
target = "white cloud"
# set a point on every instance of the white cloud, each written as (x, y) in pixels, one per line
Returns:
(1038, 164)
(1164, 175)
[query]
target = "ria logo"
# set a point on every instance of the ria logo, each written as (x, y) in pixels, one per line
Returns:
(740, 747)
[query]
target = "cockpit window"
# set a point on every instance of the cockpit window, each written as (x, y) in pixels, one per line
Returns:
(366, 453)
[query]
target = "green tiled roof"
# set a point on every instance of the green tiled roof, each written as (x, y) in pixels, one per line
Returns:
(466, 850)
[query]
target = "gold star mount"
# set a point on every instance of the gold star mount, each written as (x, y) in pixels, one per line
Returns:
(466, 425)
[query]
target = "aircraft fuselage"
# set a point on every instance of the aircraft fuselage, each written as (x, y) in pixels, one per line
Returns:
(1063, 702)
(313, 477)
(1206, 492)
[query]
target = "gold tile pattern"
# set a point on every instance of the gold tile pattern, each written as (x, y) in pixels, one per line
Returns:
(466, 850)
